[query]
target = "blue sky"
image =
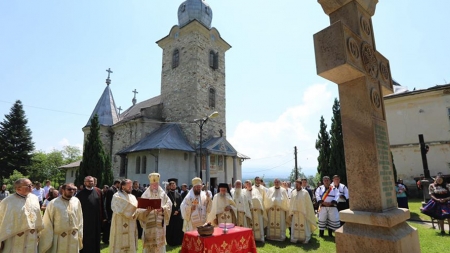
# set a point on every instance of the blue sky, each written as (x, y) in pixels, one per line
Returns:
(54, 55)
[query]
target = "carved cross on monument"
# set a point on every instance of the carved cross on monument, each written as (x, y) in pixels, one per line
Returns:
(346, 54)
(108, 81)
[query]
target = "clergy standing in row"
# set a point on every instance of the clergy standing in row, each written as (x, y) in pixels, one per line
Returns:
(259, 216)
(195, 206)
(301, 214)
(243, 215)
(20, 220)
(174, 231)
(223, 208)
(63, 224)
(154, 222)
(91, 199)
(123, 236)
(276, 204)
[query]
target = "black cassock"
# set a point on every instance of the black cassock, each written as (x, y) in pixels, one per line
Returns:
(92, 206)
(174, 231)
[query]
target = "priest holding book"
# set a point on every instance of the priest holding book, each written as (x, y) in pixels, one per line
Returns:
(155, 220)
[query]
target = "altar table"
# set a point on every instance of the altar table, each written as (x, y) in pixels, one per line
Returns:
(238, 239)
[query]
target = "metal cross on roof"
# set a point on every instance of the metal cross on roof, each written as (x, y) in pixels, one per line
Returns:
(119, 109)
(109, 71)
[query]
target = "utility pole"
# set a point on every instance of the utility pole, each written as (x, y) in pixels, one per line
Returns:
(296, 168)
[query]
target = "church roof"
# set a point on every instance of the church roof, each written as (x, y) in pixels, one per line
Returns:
(219, 145)
(194, 10)
(105, 109)
(71, 165)
(135, 110)
(168, 136)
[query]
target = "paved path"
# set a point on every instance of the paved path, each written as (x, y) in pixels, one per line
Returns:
(430, 225)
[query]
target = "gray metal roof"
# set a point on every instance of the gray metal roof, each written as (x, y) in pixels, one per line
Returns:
(105, 109)
(135, 110)
(219, 145)
(71, 165)
(195, 9)
(168, 136)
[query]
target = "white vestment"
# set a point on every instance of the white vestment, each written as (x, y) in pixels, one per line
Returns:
(217, 214)
(20, 223)
(243, 215)
(259, 216)
(154, 223)
(63, 226)
(301, 216)
(193, 219)
(123, 234)
(277, 206)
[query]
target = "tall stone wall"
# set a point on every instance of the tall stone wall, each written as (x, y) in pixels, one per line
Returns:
(185, 89)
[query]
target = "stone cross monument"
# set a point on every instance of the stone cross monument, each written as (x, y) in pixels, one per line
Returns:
(346, 54)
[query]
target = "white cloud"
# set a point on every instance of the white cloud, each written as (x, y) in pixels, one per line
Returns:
(62, 143)
(271, 144)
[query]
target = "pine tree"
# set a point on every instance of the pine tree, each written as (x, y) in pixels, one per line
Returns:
(95, 161)
(337, 156)
(16, 145)
(323, 146)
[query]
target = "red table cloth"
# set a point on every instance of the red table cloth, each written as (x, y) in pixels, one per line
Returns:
(238, 239)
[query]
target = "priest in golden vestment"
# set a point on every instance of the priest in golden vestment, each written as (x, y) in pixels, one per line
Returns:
(63, 224)
(154, 221)
(20, 220)
(301, 218)
(123, 236)
(259, 216)
(195, 206)
(243, 215)
(223, 209)
(276, 204)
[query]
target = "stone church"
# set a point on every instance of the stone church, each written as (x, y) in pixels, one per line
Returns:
(162, 134)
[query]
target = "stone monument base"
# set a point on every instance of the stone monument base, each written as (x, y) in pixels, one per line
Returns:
(376, 232)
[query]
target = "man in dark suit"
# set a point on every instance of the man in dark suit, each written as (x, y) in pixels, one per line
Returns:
(137, 192)
(109, 213)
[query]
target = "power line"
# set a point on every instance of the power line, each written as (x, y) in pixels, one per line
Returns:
(46, 109)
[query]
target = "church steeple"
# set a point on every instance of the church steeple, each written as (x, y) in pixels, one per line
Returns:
(106, 107)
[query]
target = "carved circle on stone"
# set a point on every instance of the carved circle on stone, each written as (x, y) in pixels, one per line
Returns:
(353, 48)
(376, 98)
(384, 71)
(365, 25)
(369, 60)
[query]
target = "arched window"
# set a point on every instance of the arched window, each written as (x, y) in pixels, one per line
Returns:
(213, 59)
(144, 165)
(138, 165)
(212, 98)
(175, 58)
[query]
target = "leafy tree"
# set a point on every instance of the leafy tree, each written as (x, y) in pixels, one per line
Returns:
(71, 154)
(323, 146)
(11, 179)
(46, 166)
(96, 161)
(16, 144)
(337, 156)
(299, 173)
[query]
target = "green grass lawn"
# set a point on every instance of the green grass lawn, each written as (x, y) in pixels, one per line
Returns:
(430, 239)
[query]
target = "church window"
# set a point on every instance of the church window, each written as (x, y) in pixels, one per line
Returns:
(212, 98)
(175, 58)
(207, 10)
(144, 165)
(138, 165)
(123, 166)
(213, 59)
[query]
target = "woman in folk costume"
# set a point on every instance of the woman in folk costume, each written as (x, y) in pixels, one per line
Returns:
(195, 206)
(154, 221)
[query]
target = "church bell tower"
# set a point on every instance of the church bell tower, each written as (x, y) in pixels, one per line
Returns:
(193, 71)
